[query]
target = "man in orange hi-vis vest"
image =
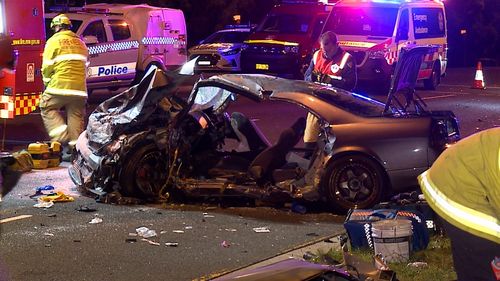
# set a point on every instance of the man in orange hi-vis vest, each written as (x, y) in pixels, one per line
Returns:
(332, 66)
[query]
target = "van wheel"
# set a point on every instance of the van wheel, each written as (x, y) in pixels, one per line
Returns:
(144, 172)
(435, 79)
(353, 181)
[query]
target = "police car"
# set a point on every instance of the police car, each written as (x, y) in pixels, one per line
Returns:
(221, 50)
(124, 40)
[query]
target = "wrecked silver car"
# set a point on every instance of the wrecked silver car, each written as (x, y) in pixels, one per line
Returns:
(150, 143)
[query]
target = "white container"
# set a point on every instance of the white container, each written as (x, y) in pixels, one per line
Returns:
(392, 239)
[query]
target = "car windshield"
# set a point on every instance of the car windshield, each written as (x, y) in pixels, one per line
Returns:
(372, 21)
(227, 37)
(285, 23)
(48, 31)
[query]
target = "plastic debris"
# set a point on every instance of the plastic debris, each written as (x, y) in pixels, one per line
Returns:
(171, 244)
(95, 220)
(178, 231)
(57, 197)
(263, 229)
(42, 204)
(298, 208)
(43, 190)
(48, 234)
(86, 209)
(206, 215)
(418, 264)
(231, 229)
(130, 240)
(150, 242)
(188, 227)
(145, 232)
(225, 244)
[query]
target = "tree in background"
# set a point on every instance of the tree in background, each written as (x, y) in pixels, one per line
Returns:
(473, 32)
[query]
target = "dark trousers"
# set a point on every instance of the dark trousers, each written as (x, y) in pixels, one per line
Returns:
(472, 255)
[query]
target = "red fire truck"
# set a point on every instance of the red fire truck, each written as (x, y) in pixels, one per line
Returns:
(21, 87)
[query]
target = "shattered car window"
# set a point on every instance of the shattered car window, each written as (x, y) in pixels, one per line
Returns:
(208, 97)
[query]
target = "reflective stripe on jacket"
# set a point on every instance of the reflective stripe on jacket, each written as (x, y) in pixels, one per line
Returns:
(463, 184)
(64, 64)
(329, 67)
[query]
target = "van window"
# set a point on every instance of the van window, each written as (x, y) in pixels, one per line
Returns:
(403, 27)
(96, 29)
(428, 22)
(370, 21)
(119, 29)
(285, 23)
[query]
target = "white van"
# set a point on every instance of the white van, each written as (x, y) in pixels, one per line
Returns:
(374, 31)
(123, 40)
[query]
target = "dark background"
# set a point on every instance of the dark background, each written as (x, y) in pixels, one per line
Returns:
(473, 25)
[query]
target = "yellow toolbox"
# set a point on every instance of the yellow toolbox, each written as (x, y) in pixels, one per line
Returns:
(54, 153)
(40, 153)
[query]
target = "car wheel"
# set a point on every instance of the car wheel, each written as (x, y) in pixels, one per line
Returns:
(144, 172)
(435, 79)
(353, 182)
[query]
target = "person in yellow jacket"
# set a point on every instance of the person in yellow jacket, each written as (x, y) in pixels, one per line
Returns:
(463, 188)
(64, 75)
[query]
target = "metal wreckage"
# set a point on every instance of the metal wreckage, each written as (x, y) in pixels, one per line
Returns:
(149, 143)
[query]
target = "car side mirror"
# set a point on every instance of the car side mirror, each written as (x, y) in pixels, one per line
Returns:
(90, 40)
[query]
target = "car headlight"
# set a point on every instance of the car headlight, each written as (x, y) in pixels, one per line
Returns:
(230, 52)
(291, 49)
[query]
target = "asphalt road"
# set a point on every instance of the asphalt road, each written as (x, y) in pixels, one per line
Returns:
(59, 243)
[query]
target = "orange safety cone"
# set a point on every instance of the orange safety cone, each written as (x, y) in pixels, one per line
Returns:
(479, 79)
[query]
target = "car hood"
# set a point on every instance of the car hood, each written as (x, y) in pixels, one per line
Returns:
(213, 47)
(134, 106)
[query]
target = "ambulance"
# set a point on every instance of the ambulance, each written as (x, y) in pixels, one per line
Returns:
(374, 31)
(124, 40)
(21, 26)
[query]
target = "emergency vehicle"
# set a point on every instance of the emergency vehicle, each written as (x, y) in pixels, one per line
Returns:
(374, 31)
(21, 87)
(124, 40)
(284, 41)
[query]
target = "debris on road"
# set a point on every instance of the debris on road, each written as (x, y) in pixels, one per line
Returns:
(178, 231)
(417, 264)
(48, 234)
(20, 217)
(231, 229)
(43, 190)
(57, 197)
(206, 215)
(95, 220)
(263, 229)
(130, 240)
(171, 244)
(150, 242)
(145, 232)
(225, 244)
(43, 204)
(86, 209)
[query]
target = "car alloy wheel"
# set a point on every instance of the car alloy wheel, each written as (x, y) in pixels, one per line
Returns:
(353, 182)
(144, 172)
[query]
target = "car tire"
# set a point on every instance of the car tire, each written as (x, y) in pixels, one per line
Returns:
(432, 82)
(144, 172)
(353, 181)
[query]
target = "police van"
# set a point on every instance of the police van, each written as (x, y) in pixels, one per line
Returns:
(123, 40)
(374, 31)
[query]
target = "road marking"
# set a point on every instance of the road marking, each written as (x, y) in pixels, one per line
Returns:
(437, 97)
(466, 86)
(15, 218)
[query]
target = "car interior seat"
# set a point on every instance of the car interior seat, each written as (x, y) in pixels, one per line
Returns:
(272, 158)
(248, 133)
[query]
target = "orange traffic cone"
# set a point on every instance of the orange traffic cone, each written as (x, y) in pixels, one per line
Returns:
(479, 79)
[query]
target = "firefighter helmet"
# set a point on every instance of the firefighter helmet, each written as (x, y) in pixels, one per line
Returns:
(60, 20)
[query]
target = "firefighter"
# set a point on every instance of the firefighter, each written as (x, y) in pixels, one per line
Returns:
(463, 188)
(64, 70)
(329, 65)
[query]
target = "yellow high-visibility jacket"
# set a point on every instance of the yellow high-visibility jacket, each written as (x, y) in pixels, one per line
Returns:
(64, 64)
(463, 185)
